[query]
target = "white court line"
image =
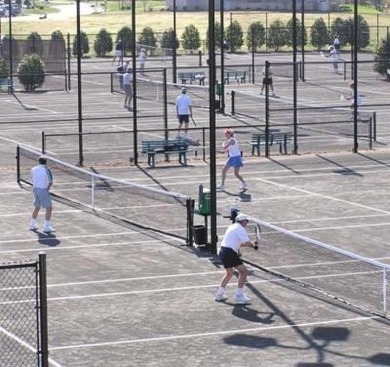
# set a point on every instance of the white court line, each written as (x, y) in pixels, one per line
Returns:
(216, 333)
(323, 196)
(26, 345)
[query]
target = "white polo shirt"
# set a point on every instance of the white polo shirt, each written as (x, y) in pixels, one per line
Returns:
(235, 235)
(128, 78)
(41, 177)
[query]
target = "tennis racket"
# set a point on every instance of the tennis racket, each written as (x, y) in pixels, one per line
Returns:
(254, 233)
(193, 121)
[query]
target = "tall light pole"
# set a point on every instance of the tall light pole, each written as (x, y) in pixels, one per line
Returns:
(134, 63)
(79, 91)
(222, 44)
(212, 80)
(355, 77)
(174, 61)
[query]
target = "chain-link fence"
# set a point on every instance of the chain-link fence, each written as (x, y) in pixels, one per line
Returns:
(23, 314)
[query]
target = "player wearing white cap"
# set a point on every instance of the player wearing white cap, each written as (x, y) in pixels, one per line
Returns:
(235, 237)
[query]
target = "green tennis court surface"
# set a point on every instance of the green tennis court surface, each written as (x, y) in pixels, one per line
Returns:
(122, 296)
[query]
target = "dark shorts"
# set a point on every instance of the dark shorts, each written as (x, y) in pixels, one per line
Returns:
(267, 81)
(184, 118)
(229, 258)
(128, 90)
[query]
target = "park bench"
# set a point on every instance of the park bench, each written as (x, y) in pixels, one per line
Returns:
(235, 75)
(166, 147)
(192, 77)
(7, 82)
(281, 139)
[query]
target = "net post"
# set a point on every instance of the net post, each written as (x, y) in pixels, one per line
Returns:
(232, 101)
(18, 164)
(374, 125)
(190, 204)
(370, 133)
(112, 82)
(92, 191)
(384, 291)
(43, 330)
(43, 138)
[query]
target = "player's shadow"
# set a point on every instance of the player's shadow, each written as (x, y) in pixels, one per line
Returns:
(244, 197)
(247, 313)
(250, 341)
(47, 238)
(380, 359)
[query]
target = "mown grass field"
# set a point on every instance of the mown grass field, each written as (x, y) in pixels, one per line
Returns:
(151, 14)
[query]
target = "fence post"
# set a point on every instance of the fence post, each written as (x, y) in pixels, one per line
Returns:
(44, 345)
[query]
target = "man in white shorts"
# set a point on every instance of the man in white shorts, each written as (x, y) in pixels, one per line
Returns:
(235, 237)
(42, 180)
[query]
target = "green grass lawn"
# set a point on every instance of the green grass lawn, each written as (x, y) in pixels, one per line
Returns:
(160, 20)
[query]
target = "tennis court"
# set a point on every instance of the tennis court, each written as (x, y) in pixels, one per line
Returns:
(122, 296)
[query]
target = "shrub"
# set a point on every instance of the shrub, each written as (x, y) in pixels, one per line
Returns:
(256, 36)
(168, 40)
(4, 72)
(126, 35)
(84, 44)
(103, 43)
(382, 57)
(235, 36)
(319, 34)
(34, 44)
(191, 38)
(31, 72)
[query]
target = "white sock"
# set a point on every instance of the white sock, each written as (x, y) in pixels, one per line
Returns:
(221, 290)
(240, 291)
(47, 223)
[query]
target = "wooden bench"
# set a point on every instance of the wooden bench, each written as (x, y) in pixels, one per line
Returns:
(192, 77)
(281, 139)
(7, 82)
(167, 147)
(236, 75)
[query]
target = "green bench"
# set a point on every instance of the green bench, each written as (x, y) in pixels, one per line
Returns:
(192, 77)
(166, 147)
(281, 139)
(7, 82)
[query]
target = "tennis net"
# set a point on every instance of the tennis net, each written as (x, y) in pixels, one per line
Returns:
(350, 278)
(162, 93)
(108, 197)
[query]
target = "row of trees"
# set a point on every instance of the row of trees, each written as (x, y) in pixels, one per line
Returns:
(277, 36)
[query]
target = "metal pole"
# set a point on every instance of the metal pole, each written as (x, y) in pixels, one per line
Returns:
(355, 77)
(79, 91)
(222, 90)
(11, 71)
(303, 39)
(295, 92)
(212, 80)
(44, 344)
(174, 61)
(134, 62)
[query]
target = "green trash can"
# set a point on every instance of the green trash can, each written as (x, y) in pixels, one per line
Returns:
(204, 206)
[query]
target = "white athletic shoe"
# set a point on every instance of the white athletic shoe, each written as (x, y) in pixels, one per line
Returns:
(48, 229)
(221, 187)
(244, 186)
(220, 297)
(34, 226)
(241, 299)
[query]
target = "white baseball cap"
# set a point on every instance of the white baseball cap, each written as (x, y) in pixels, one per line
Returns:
(241, 217)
